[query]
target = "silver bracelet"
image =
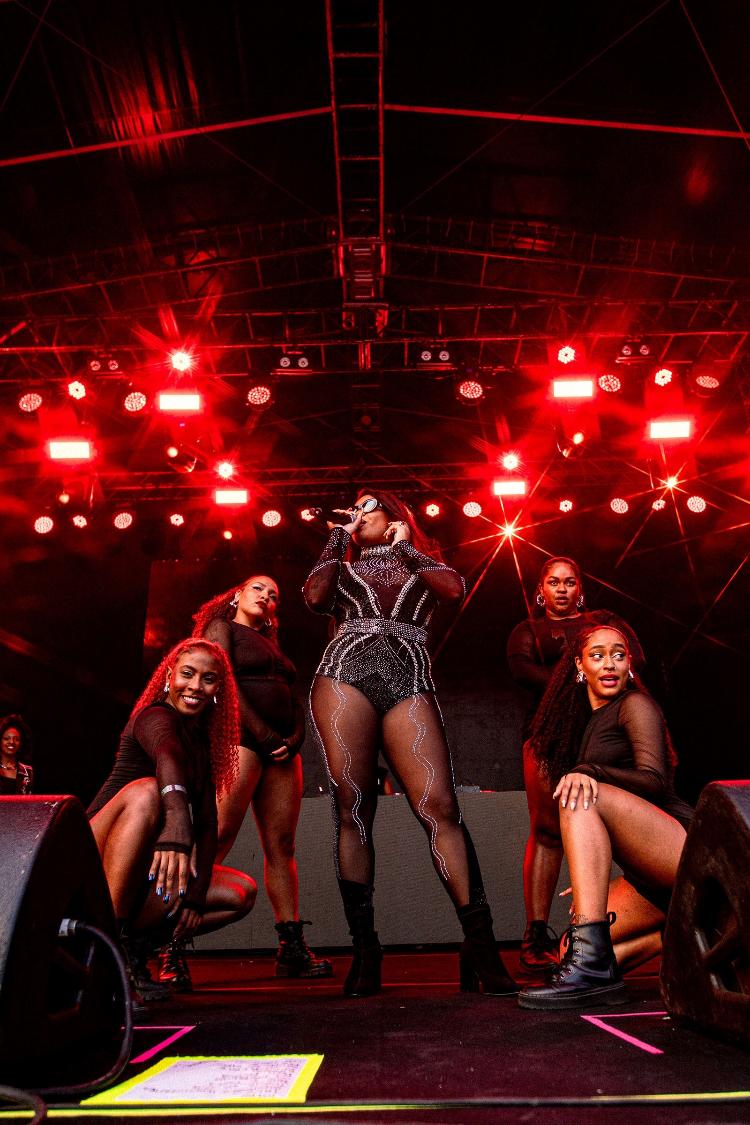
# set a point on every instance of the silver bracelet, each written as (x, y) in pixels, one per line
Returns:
(173, 789)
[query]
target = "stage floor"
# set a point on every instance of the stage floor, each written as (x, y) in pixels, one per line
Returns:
(420, 1051)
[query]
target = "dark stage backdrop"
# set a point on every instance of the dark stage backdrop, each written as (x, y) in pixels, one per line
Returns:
(72, 646)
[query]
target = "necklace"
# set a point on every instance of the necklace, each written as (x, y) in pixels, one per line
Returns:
(10, 767)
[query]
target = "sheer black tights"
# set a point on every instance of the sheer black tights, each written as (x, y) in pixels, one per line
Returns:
(414, 745)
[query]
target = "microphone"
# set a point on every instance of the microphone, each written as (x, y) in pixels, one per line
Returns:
(322, 515)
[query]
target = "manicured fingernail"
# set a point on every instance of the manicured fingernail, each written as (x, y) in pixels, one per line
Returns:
(563, 802)
(585, 804)
(159, 891)
(182, 892)
(166, 899)
(572, 804)
(151, 877)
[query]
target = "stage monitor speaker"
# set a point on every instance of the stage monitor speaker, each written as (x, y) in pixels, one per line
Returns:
(60, 997)
(705, 974)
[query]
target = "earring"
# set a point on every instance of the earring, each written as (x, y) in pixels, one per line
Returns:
(580, 678)
(235, 600)
(540, 599)
(581, 602)
(166, 685)
(630, 674)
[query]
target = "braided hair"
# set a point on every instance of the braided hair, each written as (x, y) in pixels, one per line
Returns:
(223, 720)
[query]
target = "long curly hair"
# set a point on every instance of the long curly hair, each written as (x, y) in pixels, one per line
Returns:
(540, 610)
(27, 743)
(564, 712)
(224, 606)
(394, 507)
(223, 716)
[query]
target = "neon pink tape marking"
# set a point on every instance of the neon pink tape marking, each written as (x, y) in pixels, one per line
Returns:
(598, 1021)
(178, 1032)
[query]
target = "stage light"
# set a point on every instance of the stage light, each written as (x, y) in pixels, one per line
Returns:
(432, 510)
(573, 388)
(79, 521)
(509, 530)
(63, 497)
(134, 401)
(472, 509)
(30, 402)
(578, 437)
(43, 525)
(696, 504)
(123, 520)
(444, 355)
(659, 504)
(95, 365)
(635, 349)
(307, 515)
(225, 470)
(470, 390)
(77, 389)
(426, 355)
(566, 355)
(113, 365)
(294, 359)
(177, 519)
(663, 377)
(672, 482)
(260, 395)
(515, 487)
(271, 518)
(227, 534)
(235, 496)
(619, 506)
(609, 383)
(180, 459)
(181, 360)
(69, 449)
(171, 451)
(179, 402)
(566, 505)
(666, 429)
(510, 461)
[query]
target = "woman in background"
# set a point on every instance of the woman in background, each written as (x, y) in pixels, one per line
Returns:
(16, 776)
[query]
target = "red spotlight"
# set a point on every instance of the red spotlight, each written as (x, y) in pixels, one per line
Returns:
(432, 510)
(510, 461)
(509, 530)
(659, 504)
(123, 520)
(63, 497)
(307, 515)
(79, 521)
(260, 395)
(609, 383)
(231, 496)
(515, 487)
(696, 504)
(271, 518)
(179, 402)
(227, 534)
(76, 389)
(578, 437)
(566, 505)
(472, 509)
(177, 519)
(181, 360)
(707, 382)
(134, 401)
(69, 449)
(573, 388)
(663, 377)
(225, 470)
(672, 482)
(670, 429)
(43, 525)
(470, 390)
(171, 451)
(30, 402)
(566, 354)
(619, 506)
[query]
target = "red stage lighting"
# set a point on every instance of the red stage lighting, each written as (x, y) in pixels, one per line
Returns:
(181, 360)
(509, 530)
(472, 509)
(177, 519)
(134, 401)
(307, 515)
(231, 496)
(79, 521)
(573, 388)
(179, 402)
(69, 449)
(663, 377)
(123, 520)
(670, 429)
(260, 395)
(43, 525)
(470, 390)
(659, 504)
(707, 382)
(672, 482)
(227, 534)
(76, 389)
(510, 461)
(432, 510)
(566, 354)
(515, 487)
(578, 437)
(171, 451)
(63, 497)
(566, 505)
(609, 383)
(696, 504)
(619, 506)
(271, 518)
(30, 402)
(225, 470)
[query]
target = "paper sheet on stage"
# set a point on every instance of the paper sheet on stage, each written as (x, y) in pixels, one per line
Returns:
(211, 1080)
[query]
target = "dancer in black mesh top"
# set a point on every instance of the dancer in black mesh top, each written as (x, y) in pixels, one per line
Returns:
(16, 773)
(605, 757)
(374, 684)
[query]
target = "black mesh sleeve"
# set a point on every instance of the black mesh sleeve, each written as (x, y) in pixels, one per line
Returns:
(157, 731)
(523, 659)
(265, 739)
(205, 848)
(643, 724)
(445, 583)
(322, 581)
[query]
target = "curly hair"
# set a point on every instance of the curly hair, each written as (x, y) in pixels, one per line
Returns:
(224, 716)
(564, 712)
(27, 742)
(540, 610)
(224, 606)
(394, 507)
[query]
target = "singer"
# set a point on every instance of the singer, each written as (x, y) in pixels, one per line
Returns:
(374, 687)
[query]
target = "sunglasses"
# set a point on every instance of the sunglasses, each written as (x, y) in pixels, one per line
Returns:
(369, 505)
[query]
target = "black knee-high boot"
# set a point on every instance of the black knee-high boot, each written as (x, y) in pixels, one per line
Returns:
(363, 978)
(481, 966)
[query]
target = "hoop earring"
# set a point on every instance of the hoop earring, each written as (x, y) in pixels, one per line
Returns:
(540, 599)
(581, 678)
(581, 602)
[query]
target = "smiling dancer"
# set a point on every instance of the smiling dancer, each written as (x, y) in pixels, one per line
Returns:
(374, 684)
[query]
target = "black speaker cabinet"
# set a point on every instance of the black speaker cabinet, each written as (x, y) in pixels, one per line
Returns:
(60, 998)
(705, 975)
